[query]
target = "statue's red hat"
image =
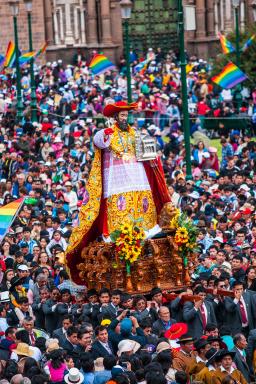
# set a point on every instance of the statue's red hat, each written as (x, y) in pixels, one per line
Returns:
(111, 109)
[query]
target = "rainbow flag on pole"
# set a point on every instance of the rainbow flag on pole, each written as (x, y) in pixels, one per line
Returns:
(7, 215)
(227, 47)
(41, 50)
(100, 64)
(141, 66)
(10, 55)
(248, 43)
(26, 57)
(229, 77)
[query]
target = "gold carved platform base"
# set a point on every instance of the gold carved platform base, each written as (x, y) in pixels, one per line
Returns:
(159, 265)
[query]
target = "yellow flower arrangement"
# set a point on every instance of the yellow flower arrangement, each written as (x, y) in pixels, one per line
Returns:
(185, 234)
(129, 241)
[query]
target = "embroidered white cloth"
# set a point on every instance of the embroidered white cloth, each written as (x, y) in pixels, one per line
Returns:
(120, 176)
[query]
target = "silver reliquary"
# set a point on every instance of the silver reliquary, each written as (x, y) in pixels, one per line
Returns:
(145, 147)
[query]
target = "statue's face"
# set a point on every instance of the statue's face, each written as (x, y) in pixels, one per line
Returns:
(122, 120)
(123, 116)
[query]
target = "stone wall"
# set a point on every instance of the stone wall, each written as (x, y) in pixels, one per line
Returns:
(6, 26)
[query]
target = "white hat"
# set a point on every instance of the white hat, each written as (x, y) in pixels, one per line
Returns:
(4, 297)
(57, 140)
(74, 376)
(67, 118)
(244, 187)
(48, 164)
(163, 346)
(194, 195)
(219, 239)
(165, 97)
(55, 122)
(60, 160)
(212, 150)
(127, 346)
(22, 267)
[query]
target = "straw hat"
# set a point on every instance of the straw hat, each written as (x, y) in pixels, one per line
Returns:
(23, 349)
(74, 377)
(53, 344)
(127, 346)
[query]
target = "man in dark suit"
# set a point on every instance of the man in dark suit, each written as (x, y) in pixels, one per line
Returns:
(102, 347)
(240, 356)
(65, 307)
(91, 310)
(71, 342)
(198, 314)
(164, 322)
(112, 309)
(61, 333)
(48, 308)
(240, 313)
(37, 308)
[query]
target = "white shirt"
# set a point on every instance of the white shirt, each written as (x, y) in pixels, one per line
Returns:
(224, 370)
(244, 305)
(3, 324)
(106, 346)
(199, 360)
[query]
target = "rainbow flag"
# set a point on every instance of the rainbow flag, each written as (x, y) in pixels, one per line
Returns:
(10, 55)
(2, 60)
(7, 215)
(100, 64)
(141, 66)
(229, 77)
(248, 43)
(227, 47)
(26, 57)
(41, 50)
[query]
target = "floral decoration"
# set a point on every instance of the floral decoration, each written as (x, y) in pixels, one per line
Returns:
(185, 234)
(129, 240)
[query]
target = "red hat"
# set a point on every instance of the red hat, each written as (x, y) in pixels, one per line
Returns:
(176, 331)
(246, 211)
(111, 109)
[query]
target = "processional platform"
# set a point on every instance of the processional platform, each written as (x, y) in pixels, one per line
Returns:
(158, 265)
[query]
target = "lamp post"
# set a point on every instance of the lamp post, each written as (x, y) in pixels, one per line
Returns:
(14, 6)
(237, 93)
(236, 5)
(126, 10)
(33, 105)
(183, 64)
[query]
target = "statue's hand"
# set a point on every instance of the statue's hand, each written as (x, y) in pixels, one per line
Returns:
(108, 131)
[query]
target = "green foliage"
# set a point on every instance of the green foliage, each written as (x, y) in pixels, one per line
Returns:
(247, 58)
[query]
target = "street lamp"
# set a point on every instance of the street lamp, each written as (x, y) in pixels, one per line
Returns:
(126, 10)
(28, 4)
(184, 90)
(236, 5)
(14, 7)
(237, 93)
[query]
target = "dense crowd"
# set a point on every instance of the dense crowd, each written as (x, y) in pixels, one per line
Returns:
(52, 330)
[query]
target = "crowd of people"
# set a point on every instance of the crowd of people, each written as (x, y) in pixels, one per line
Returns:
(53, 331)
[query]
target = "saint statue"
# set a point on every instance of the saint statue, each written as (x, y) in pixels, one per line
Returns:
(120, 188)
